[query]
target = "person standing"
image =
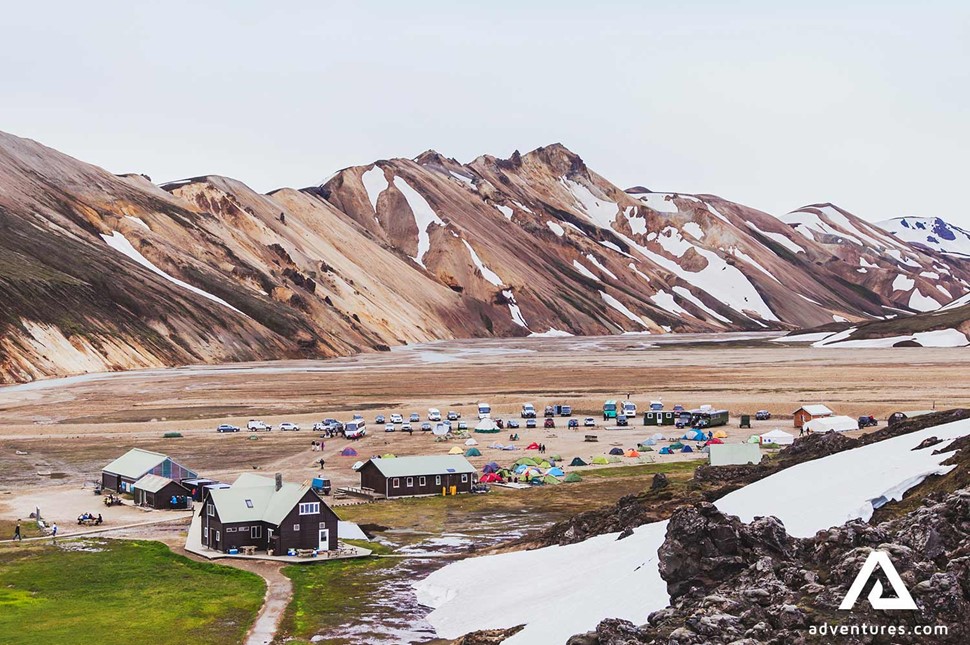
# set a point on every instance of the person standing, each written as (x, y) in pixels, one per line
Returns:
(54, 532)
(16, 533)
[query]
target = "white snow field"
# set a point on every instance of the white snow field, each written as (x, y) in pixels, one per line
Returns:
(424, 217)
(603, 577)
(120, 243)
(487, 273)
(374, 184)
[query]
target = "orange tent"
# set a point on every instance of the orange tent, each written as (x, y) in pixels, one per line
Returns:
(631, 453)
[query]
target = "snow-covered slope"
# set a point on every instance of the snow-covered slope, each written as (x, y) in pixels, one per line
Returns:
(931, 233)
(604, 577)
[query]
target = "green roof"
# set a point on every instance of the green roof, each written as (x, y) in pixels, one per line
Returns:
(426, 465)
(135, 463)
(254, 498)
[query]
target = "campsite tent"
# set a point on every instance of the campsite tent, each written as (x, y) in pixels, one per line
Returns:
(613, 459)
(645, 448)
(649, 442)
(616, 451)
(556, 472)
(572, 477)
(676, 445)
(487, 426)
(532, 446)
(549, 479)
(455, 450)
(687, 449)
(694, 435)
(471, 442)
(657, 436)
(348, 452)
(543, 464)
(488, 478)
(665, 451)
(754, 439)
(720, 434)
(528, 461)
(631, 453)
(511, 446)
(779, 437)
(824, 424)
(388, 455)
(441, 430)
(554, 458)
(490, 467)
(600, 460)
(473, 452)
(577, 462)
(714, 440)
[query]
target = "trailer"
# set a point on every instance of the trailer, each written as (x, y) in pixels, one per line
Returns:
(708, 418)
(660, 418)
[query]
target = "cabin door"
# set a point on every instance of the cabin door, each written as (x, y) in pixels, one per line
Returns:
(324, 540)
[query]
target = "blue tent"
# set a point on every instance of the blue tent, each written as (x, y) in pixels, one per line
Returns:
(687, 449)
(556, 472)
(616, 451)
(521, 468)
(649, 442)
(666, 451)
(490, 467)
(694, 435)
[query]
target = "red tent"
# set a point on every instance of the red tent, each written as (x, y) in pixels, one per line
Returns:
(714, 440)
(532, 446)
(488, 478)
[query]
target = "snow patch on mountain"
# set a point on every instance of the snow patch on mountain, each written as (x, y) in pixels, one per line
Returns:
(586, 272)
(903, 283)
(919, 302)
(599, 265)
(685, 293)
(424, 217)
(777, 237)
(514, 310)
(619, 306)
(931, 233)
(374, 184)
(487, 273)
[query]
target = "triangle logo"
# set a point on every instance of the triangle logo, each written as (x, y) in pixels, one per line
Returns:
(879, 559)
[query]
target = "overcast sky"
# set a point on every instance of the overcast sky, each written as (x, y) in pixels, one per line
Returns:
(865, 105)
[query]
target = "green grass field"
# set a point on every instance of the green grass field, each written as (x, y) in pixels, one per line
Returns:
(129, 592)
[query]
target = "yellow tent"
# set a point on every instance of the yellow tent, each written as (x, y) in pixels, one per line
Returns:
(456, 451)
(720, 434)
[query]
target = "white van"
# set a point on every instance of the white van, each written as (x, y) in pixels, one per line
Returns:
(255, 425)
(484, 411)
(528, 411)
(434, 414)
(629, 409)
(354, 429)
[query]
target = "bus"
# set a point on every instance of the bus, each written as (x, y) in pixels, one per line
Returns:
(484, 411)
(708, 418)
(609, 410)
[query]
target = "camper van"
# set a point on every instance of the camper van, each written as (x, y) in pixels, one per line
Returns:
(354, 429)
(609, 410)
(656, 405)
(484, 411)
(708, 417)
(434, 414)
(528, 411)
(629, 409)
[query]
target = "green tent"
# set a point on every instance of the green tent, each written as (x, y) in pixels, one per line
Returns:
(572, 477)
(544, 464)
(600, 459)
(473, 452)
(388, 456)
(556, 458)
(526, 461)
(754, 439)
(613, 459)
(549, 479)
(676, 446)
(577, 462)
(646, 449)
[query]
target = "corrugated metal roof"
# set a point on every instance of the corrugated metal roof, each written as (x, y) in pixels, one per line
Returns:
(254, 498)
(152, 483)
(423, 465)
(135, 463)
(816, 410)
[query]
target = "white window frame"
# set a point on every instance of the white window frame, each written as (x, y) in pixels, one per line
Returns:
(309, 508)
(464, 478)
(296, 527)
(437, 480)
(396, 482)
(244, 529)
(210, 510)
(256, 531)
(409, 482)
(422, 481)
(218, 536)
(249, 503)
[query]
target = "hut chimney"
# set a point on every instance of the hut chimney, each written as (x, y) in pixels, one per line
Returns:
(279, 481)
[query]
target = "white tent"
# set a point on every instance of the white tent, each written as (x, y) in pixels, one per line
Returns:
(471, 442)
(441, 430)
(779, 437)
(486, 424)
(657, 436)
(839, 424)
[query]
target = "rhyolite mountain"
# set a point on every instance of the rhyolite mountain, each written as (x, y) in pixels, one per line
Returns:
(105, 272)
(931, 233)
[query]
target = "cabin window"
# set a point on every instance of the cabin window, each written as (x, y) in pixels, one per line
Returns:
(244, 529)
(257, 531)
(422, 481)
(309, 508)
(249, 503)
(210, 510)
(218, 536)
(323, 525)
(230, 530)
(464, 478)
(437, 480)
(296, 527)
(410, 482)
(396, 482)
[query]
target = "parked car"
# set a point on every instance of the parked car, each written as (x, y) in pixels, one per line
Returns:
(589, 422)
(528, 411)
(379, 419)
(389, 427)
(462, 425)
(397, 418)
(762, 415)
(358, 417)
(866, 421)
(530, 423)
(549, 423)
(512, 424)
(549, 411)
(564, 410)
(406, 427)
(434, 414)
(288, 426)
(225, 427)
(621, 420)
(255, 425)
(414, 418)
(453, 416)
(426, 427)
(572, 423)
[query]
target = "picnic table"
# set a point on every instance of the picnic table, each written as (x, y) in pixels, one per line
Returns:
(591, 438)
(248, 549)
(304, 553)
